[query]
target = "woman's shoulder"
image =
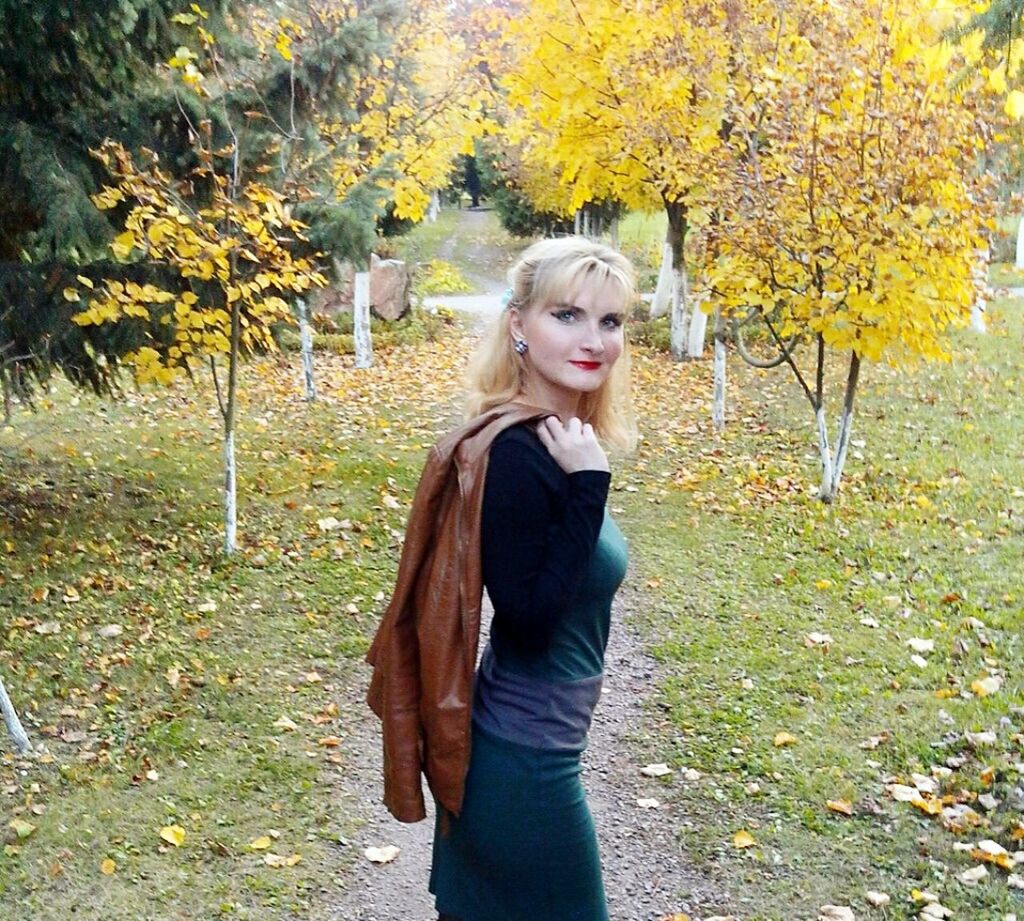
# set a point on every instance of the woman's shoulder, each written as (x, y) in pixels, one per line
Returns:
(519, 449)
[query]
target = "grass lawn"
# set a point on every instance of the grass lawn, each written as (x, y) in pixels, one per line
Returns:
(170, 689)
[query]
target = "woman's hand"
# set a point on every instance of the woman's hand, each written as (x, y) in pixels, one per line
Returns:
(574, 446)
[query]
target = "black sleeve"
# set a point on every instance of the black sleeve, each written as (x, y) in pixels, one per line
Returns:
(539, 528)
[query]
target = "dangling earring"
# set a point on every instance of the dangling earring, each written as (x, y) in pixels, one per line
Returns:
(521, 346)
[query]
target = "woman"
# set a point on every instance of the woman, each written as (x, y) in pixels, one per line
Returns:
(523, 845)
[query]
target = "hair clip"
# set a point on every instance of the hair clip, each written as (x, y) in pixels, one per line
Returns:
(507, 297)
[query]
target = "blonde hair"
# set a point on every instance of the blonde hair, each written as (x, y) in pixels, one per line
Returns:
(546, 274)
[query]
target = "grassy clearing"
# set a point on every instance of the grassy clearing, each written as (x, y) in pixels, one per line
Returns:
(111, 517)
(742, 564)
(111, 520)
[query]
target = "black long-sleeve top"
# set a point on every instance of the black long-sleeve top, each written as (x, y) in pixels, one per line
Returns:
(539, 527)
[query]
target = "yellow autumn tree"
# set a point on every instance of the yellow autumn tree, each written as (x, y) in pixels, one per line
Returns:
(417, 107)
(623, 102)
(853, 210)
(224, 243)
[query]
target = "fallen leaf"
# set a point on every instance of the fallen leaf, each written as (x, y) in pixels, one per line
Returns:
(384, 854)
(285, 724)
(109, 631)
(173, 834)
(21, 828)
(648, 803)
(877, 899)
(845, 807)
(743, 839)
(985, 686)
(107, 867)
(783, 738)
(329, 742)
(47, 628)
(817, 639)
(836, 913)
(260, 844)
(973, 876)
(921, 645)
(279, 860)
(656, 770)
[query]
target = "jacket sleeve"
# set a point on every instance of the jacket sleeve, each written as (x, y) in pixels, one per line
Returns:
(537, 537)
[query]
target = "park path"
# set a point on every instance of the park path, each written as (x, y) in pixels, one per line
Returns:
(646, 875)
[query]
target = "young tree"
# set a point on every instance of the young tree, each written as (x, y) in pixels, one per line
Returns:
(855, 211)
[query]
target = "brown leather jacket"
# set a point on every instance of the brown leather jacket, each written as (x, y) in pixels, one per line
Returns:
(424, 653)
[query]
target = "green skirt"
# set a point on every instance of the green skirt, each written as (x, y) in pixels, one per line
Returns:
(523, 848)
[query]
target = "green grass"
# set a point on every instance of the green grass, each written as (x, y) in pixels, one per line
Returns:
(734, 561)
(927, 534)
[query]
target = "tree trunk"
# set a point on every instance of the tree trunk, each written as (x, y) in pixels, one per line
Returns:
(845, 423)
(613, 232)
(361, 320)
(825, 492)
(577, 222)
(434, 209)
(1019, 263)
(718, 406)
(679, 320)
(14, 727)
(306, 338)
(230, 494)
(663, 290)
(228, 415)
(698, 332)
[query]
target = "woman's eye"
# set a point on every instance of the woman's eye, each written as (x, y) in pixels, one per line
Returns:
(565, 314)
(613, 322)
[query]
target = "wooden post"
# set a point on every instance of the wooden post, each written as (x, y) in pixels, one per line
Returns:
(361, 320)
(306, 338)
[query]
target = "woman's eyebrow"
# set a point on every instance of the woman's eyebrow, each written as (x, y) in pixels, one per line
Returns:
(564, 306)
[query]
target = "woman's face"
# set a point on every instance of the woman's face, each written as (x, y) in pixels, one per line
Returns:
(573, 344)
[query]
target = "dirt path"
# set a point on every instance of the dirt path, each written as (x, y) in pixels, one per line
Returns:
(646, 876)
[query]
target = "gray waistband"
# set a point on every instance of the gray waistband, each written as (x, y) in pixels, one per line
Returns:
(541, 714)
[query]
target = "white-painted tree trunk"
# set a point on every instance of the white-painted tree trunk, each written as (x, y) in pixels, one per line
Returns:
(613, 232)
(825, 451)
(1019, 263)
(698, 332)
(577, 222)
(434, 208)
(361, 320)
(981, 289)
(679, 321)
(663, 290)
(306, 338)
(718, 405)
(845, 425)
(230, 495)
(14, 727)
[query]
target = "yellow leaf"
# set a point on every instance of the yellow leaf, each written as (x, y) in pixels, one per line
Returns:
(85, 281)
(743, 839)
(173, 834)
(783, 738)
(123, 244)
(845, 807)
(278, 860)
(261, 843)
(70, 294)
(1015, 105)
(985, 686)
(107, 867)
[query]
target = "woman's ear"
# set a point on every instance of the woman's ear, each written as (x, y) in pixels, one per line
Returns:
(515, 323)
